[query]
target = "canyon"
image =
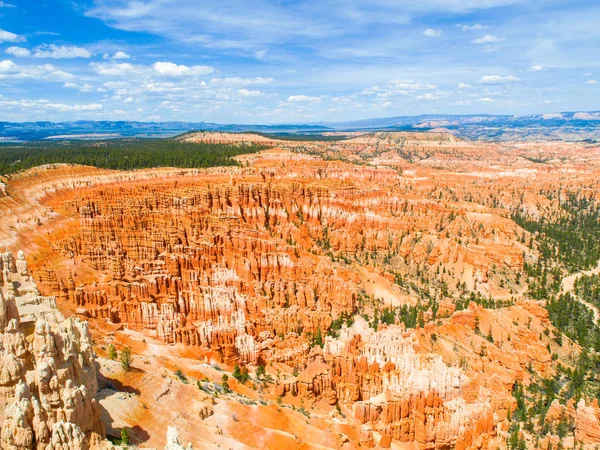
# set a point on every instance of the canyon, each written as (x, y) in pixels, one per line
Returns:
(372, 291)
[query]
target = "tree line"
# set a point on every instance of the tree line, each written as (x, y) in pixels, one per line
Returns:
(122, 154)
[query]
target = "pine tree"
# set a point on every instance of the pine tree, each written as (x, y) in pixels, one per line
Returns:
(125, 436)
(225, 383)
(126, 358)
(319, 338)
(237, 373)
(112, 352)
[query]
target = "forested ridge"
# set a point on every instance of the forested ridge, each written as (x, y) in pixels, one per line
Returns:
(122, 154)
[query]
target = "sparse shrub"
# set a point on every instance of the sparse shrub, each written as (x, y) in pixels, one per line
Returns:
(112, 352)
(181, 376)
(126, 359)
(125, 436)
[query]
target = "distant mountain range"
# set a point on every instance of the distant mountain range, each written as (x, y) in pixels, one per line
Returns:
(87, 129)
(575, 126)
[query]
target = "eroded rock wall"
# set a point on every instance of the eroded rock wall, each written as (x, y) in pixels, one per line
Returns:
(47, 369)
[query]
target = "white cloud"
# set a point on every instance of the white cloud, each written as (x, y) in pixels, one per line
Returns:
(303, 99)
(120, 55)
(63, 107)
(81, 88)
(7, 36)
(428, 96)
(474, 27)
(46, 105)
(432, 33)
(19, 52)
(117, 56)
(10, 70)
(174, 70)
(61, 52)
(238, 81)
(7, 5)
(487, 39)
(410, 84)
(497, 79)
(395, 88)
(50, 72)
(230, 25)
(591, 82)
(248, 93)
(536, 68)
(463, 86)
(111, 69)
(7, 66)
(486, 100)
(384, 95)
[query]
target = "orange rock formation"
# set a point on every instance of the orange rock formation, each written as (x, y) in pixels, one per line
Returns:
(251, 265)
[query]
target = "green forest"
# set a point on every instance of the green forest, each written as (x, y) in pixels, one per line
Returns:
(572, 237)
(122, 154)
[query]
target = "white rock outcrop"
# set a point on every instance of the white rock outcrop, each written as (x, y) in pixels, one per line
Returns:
(48, 379)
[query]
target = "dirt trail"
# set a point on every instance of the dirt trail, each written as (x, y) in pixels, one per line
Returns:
(568, 283)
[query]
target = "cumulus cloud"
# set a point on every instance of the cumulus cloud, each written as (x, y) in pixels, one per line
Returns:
(79, 87)
(7, 66)
(51, 51)
(10, 70)
(303, 99)
(536, 68)
(497, 79)
(61, 52)
(432, 33)
(395, 88)
(7, 36)
(464, 85)
(249, 93)
(178, 70)
(486, 100)
(117, 56)
(7, 5)
(19, 52)
(112, 69)
(53, 74)
(474, 27)
(120, 55)
(487, 39)
(591, 82)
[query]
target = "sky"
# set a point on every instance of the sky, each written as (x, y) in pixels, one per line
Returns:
(287, 61)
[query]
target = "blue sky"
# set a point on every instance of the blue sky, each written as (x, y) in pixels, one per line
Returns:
(270, 61)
